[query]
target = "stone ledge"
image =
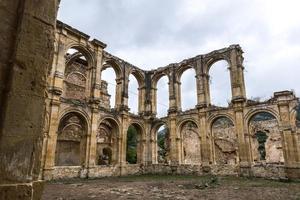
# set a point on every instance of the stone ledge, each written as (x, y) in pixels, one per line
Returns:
(22, 191)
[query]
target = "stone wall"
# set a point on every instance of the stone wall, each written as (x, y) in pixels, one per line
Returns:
(27, 43)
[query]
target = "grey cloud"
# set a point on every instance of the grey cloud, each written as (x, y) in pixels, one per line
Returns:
(155, 33)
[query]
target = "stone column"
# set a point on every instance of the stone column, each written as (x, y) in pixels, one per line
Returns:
(173, 91)
(175, 151)
(92, 143)
(202, 83)
(123, 141)
(237, 73)
(243, 145)
(205, 139)
(291, 147)
(118, 97)
(29, 36)
(52, 138)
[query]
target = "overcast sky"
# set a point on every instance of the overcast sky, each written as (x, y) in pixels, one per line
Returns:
(154, 33)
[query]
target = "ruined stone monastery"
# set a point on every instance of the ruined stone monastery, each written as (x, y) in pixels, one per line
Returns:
(85, 137)
(56, 121)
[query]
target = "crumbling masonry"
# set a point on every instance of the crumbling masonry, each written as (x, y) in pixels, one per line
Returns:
(84, 137)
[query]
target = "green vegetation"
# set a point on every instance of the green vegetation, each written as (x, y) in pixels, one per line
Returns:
(161, 142)
(261, 139)
(263, 116)
(131, 150)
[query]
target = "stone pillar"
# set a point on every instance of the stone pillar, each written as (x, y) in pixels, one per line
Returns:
(173, 91)
(243, 145)
(205, 139)
(202, 83)
(52, 138)
(118, 97)
(291, 147)
(29, 26)
(123, 140)
(237, 73)
(177, 86)
(175, 142)
(92, 142)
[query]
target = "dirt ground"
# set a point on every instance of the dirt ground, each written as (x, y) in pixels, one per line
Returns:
(171, 187)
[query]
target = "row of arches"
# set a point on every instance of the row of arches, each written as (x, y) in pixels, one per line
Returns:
(71, 145)
(264, 140)
(79, 79)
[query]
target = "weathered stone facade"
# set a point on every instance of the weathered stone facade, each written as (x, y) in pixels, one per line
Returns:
(76, 126)
(246, 138)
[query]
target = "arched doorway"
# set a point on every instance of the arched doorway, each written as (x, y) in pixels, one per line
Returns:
(163, 144)
(190, 143)
(188, 91)
(71, 141)
(225, 142)
(76, 75)
(107, 152)
(134, 144)
(220, 86)
(266, 141)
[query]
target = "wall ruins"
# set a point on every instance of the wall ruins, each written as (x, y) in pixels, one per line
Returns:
(237, 139)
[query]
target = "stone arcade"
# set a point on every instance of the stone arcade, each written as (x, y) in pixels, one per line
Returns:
(76, 133)
(87, 138)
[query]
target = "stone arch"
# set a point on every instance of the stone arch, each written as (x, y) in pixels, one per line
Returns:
(77, 80)
(211, 61)
(265, 137)
(224, 140)
(155, 79)
(190, 142)
(139, 77)
(84, 50)
(157, 76)
(135, 142)
(71, 140)
(160, 138)
(220, 83)
(107, 139)
(181, 82)
(118, 83)
(213, 118)
(181, 69)
(115, 65)
(253, 112)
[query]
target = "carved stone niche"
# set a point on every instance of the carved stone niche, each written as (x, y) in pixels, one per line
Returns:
(71, 141)
(190, 143)
(225, 141)
(266, 141)
(75, 79)
(106, 143)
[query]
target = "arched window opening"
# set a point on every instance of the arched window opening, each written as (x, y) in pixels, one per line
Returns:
(133, 95)
(225, 141)
(266, 141)
(188, 90)
(71, 141)
(220, 86)
(163, 144)
(133, 145)
(190, 143)
(108, 88)
(162, 100)
(76, 73)
(107, 143)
